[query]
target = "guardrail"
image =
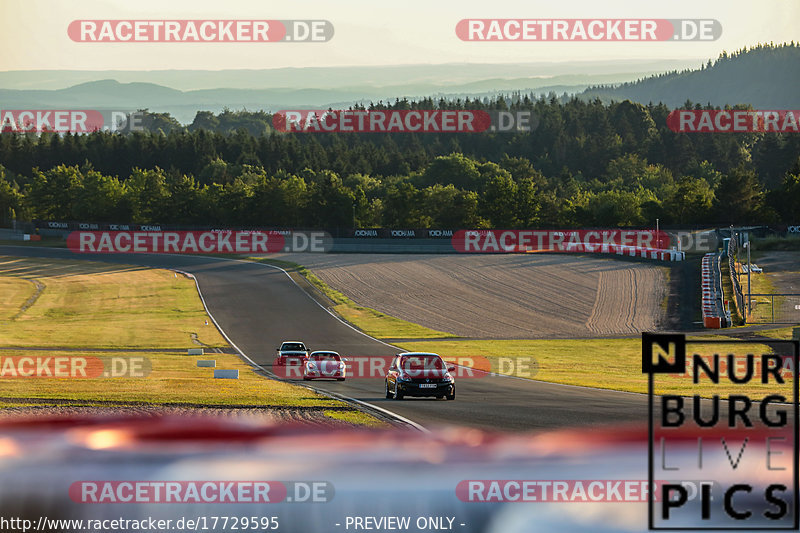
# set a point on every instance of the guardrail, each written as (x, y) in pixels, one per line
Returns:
(714, 316)
(640, 243)
(737, 288)
(17, 235)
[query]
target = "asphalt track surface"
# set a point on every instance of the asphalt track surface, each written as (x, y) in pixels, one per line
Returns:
(258, 307)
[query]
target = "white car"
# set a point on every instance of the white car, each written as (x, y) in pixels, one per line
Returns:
(325, 364)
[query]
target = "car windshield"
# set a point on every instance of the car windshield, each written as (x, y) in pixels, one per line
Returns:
(325, 357)
(422, 362)
(293, 347)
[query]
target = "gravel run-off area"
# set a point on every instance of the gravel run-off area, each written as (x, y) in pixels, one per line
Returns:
(502, 296)
(269, 415)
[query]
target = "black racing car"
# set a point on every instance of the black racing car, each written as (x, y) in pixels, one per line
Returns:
(420, 374)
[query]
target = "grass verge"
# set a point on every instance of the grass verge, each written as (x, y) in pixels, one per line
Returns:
(774, 243)
(600, 363)
(355, 417)
(55, 305)
(100, 305)
(761, 306)
(786, 333)
(172, 378)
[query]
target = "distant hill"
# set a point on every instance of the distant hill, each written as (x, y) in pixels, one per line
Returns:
(765, 76)
(278, 93)
(438, 76)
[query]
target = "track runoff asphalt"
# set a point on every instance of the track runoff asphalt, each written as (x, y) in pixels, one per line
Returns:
(258, 307)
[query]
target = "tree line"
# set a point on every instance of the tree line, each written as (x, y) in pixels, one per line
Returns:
(585, 164)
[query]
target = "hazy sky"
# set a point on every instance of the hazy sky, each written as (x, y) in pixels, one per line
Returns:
(33, 33)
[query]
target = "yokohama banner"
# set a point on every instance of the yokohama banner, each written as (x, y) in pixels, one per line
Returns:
(175, 242)
(516, 241)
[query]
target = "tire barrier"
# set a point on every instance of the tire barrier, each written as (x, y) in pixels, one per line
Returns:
(647, 253)
(714, 316)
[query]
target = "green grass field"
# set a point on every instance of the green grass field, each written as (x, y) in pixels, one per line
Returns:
(787, 333)
(14, 293)
(761, 305)
(173, 378)
(98, 305)
(600, 363)
(95, 306)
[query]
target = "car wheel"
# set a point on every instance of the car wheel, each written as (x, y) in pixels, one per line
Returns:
(452, 395)
(306, 378)
(339, 379)
(388, 392)
(398, 395)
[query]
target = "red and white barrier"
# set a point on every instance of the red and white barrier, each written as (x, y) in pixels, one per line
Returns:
(711, 316)
(648, 253)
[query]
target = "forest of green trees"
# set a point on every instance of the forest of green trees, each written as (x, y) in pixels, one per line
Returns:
(586, 164)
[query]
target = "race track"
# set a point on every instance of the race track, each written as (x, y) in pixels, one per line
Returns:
(258, 306)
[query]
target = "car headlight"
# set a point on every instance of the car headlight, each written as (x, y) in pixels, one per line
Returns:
(311, 366)
(403, 377)
(447, 377)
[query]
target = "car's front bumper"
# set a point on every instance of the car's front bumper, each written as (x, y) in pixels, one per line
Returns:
(417, 389)
(323, 375)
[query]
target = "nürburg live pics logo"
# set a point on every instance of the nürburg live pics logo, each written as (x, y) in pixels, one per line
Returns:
(724, 411)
